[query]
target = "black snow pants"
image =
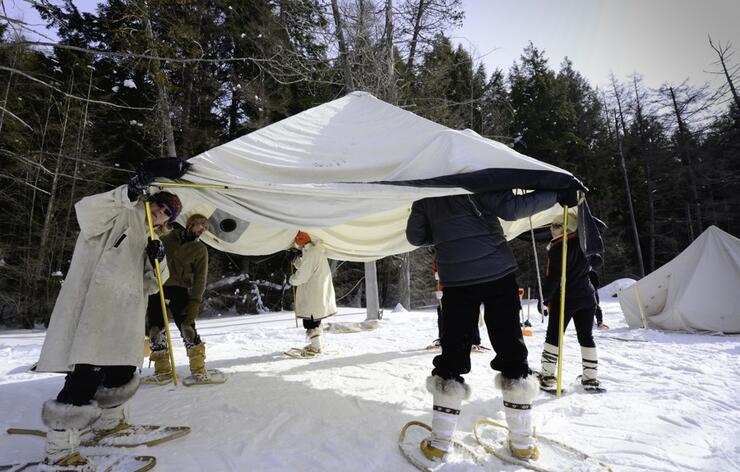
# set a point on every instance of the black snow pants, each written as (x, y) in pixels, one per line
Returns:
(460, 311)
(440, 329)
(81, 384)
(583, 318)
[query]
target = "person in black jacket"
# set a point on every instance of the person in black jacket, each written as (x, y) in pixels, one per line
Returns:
(580, 304)
(476, 343)
(476, 265)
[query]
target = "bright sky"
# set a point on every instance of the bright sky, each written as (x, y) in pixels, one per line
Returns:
(664, 40)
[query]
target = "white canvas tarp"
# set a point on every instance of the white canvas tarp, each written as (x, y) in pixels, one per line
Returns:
(699, 290)
(347, 171)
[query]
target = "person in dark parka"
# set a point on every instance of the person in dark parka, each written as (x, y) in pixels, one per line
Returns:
(580, 303)
(476, 265)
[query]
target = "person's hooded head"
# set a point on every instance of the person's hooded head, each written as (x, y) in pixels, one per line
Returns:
(197, 224)
(557, 222)
(301, 239)
(168, 203)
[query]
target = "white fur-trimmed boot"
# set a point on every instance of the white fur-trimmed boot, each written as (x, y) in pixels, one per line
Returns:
(315, 338)
(112, 404)
(549, 363)
(518, 395)
(63, 438)
(447, 397)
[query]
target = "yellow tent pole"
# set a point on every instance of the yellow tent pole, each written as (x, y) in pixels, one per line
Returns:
(561, 325)
(185, 185)
(161, 297)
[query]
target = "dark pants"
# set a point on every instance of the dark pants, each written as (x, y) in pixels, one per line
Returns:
(440, 329)
(583, 319)
(309, 323)
(178, 297)
(81, 384)
(460, 311)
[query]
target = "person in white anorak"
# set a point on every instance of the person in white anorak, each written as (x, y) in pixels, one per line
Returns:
(95, 329)
(315, 298)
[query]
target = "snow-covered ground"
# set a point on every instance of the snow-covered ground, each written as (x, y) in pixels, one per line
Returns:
(672, 403)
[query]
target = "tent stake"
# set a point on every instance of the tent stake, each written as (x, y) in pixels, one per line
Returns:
(537, 266)
(639, 304)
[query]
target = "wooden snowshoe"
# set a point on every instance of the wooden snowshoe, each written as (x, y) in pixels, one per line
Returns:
(101, 463)
(212, 377)
(131, 436)
(409, 442)
(554, 455)
(301, 353)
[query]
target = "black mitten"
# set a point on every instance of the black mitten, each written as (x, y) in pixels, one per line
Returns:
(154, 250)
(139, 184)
(167, 167)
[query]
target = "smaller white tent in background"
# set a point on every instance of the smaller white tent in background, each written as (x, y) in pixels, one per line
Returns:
(699, 290)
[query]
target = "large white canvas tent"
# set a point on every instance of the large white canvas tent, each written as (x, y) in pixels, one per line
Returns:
(347, 171)
(699, 290)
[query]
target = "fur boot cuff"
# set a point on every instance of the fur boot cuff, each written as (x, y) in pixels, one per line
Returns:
(59, 416)
(110, 397)
(521, 391)
(449, 389)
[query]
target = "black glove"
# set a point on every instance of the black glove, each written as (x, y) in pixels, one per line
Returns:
(542, 308)
(154, 250)
(167, 167)
(568, 197)
(139, 184)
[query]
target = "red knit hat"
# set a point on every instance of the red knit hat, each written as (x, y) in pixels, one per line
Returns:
(169, 201)
(302, 238)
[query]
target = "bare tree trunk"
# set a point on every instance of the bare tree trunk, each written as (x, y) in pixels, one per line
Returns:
(343, 53)
(721, 52)
(687, 162)
(187, 106)
(635, 234)
(42, 256)
(7, 89)
(648, 179)
(415, 35)
(404, 280)
(78, 154)
(163, 101)
(391, 95)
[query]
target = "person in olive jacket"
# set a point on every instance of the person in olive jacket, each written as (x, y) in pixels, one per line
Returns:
(188, 265)
(580, 304)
